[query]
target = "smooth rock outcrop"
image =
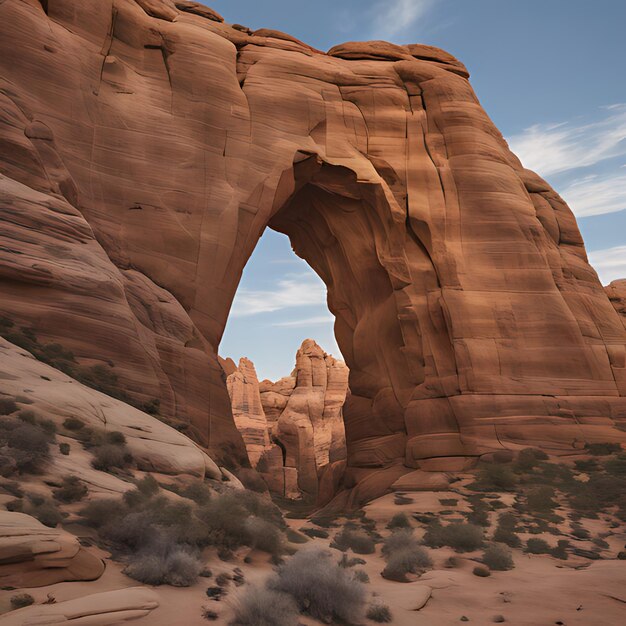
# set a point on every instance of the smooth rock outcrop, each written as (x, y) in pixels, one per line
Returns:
(137, 136)
(33, 555)
(155, 447)
(97, 609)
(617, 295)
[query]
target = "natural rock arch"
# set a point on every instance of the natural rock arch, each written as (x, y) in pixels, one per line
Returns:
(147, 147)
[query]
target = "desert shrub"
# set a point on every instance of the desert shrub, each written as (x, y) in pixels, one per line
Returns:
(111, 456)
(586, 465)
(560, 551)
(163, 562)
(197, 491)
(541, 500)
(263, 535)
(400, 498)
(580, 533)
(399, 520)
(64, 448)
(404, 555)
(402, 562)
(27, 416)
(358, 542)
(24, 447)
(495, 477)
(616, 466)
(8, 406)
(116, 438)
(361, 575)
(603, 449)
(479, 514)
(258, 606)
(402, 539)
(45, 511)
(507, 536)
(294, 536)
(601, 543)
(482, 571)
(72, 489)
(316, 533)
(460, 536)
(448, 502)
(73, 424)
(20, 600)
(320, 587)
(100, 512)
(379, 613)
(537, 546)
(498, 558)
(13, 488)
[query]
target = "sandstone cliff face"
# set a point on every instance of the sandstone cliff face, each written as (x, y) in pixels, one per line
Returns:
(146, 145)
(293, 428)
(617, 295)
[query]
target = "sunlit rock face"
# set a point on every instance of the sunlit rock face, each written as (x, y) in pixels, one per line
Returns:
(146, 145)
(293, 428)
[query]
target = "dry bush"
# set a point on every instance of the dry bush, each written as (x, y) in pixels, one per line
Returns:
(498, 558)
(20, 600)
(537, 546)
(462, 537)
(163, 562)
(72, 489)
(399, 520)
(320, 587)
(263, 535)
(260, 606)
(110, 456)
(358, 542)
(379, 613)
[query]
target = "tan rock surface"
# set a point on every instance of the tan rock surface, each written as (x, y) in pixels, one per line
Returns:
(33, 555)
(97, 609)
(155, 446)
(465, 307)
(617, 295)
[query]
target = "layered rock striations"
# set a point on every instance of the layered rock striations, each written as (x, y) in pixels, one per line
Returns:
(145, 147)
(293, 428)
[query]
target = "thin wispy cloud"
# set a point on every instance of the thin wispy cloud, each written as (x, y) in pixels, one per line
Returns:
(610, 263)
(596, 194)
(392, 18)
(294, 291)
(553, 148)
(309, 321)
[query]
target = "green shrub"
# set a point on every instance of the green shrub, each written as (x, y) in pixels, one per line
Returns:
(482, 571)
(20, 600)
(537, 546)
(320, 587)
(72, 489)
(399, 520)
(498, 558)
(379, 613)
(259, 606)
(358, 542)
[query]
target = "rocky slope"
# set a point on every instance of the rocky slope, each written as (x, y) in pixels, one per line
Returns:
(293, 428)
(145, 145)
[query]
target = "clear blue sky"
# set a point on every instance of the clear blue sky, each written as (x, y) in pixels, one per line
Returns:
(550, 73)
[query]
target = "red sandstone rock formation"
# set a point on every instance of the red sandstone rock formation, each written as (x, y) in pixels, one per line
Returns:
(145, 145)
(293, 428)
(617, 295)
